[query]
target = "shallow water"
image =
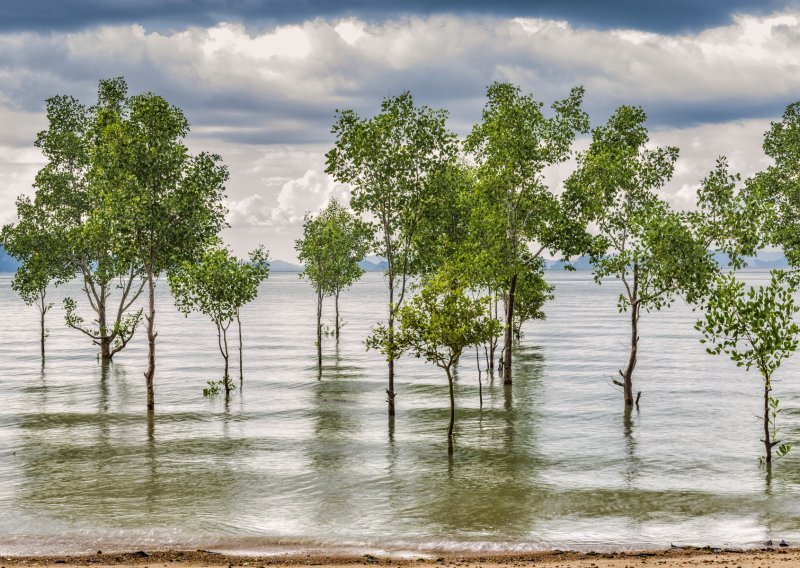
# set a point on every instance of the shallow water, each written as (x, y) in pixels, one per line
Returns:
(299, 460)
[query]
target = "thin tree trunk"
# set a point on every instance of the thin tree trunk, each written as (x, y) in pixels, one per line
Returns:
(767, 441)
(508, 331)
(225, 355)
(241, 365)
(627, 375)
(319, 328)
(452, 412)
(337, 315)
(151, 339)
(494, 340)
(480, 382)
(390, 394)
(42, 313)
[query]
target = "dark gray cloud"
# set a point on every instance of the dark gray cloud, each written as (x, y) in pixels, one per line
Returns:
(665, 16)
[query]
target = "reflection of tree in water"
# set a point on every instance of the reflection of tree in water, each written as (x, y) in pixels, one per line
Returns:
(110, 468)
(781, 482)
(333, 445)
(490, 483)
(633, 464)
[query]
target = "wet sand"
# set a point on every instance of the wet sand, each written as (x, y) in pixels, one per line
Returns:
(674, 557)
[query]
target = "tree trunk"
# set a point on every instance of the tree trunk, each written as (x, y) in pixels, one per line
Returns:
(151, 339)
(337, 314)
(452, 412)
(390, 394)
(226, 378)
(241, 365)
(627, 375)
(105, 339)
(767, 441)
(319, 328)
(508, 331)
(105, 349)
(480, 382)
(43, 331)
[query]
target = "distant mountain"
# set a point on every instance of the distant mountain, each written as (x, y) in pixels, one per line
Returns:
(580, 263)
(765, 260)
(7, 262)
(369, 264)
(374, 266)
(283, 266)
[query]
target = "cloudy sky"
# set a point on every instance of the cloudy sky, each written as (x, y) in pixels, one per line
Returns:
(260, 81)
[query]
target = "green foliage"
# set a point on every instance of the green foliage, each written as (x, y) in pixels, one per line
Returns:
(441, 320)
(656, 252)
(729, 217)
(511, 147)
(213, 387)
(776, 191)
(35, 242)
(392, 162)
(219, 284)
(755, 327)
(163, 205)
(333, 243)
(532, 292)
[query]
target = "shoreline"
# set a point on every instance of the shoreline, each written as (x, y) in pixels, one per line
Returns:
(788, 557)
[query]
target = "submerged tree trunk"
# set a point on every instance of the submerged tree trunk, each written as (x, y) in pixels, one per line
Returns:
(105, 349)
(452, 411)
(241, 365)
(336, 301)
(319, 328)
(508, 331)
(42, 312)
(225, 356)
(767, 441)
(151, 339)
(105, 338)
(390, 394)
(480, 382)
(627, 375)
(635, 303)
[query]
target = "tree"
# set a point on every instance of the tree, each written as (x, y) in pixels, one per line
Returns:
(218, 286)
(31, 242)
(63, 212)
(438, 324)
(333, 243)
(163, 205)
(390, 160)
(776, 190)
(531, 294)
(654, 251)
(512, 146)
(755, 328)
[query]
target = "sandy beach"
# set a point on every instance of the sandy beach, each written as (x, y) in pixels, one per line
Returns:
(675, 557)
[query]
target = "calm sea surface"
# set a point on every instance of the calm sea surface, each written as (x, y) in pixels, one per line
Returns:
(299, 460)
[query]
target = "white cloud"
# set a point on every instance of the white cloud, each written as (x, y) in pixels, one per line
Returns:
(306, 194)
(265, 100)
